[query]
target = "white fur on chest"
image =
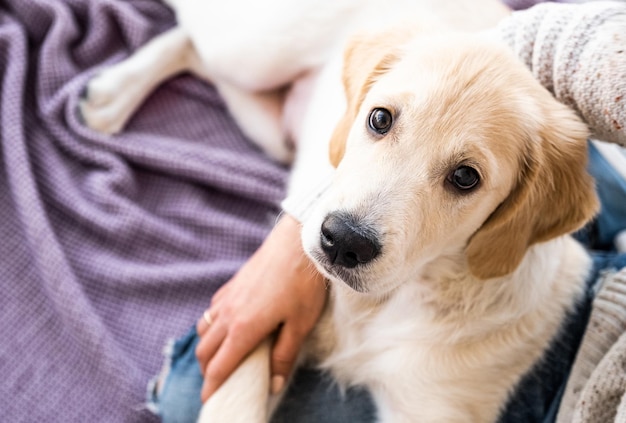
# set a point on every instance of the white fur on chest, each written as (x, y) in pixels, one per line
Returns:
(451, 351)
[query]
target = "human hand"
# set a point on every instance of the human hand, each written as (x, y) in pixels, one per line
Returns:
(277, 289)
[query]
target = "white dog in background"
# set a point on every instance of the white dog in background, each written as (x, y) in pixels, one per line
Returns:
(253, 51)
(444, 232)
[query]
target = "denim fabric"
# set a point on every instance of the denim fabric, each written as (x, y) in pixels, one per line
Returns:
(611, 188)
(178, 400)
(314, 398)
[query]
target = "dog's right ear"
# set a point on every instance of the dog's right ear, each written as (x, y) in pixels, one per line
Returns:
(366, 58)
(555, 196)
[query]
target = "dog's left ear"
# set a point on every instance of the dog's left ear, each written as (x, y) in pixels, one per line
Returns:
(554, 196)
(366, 58)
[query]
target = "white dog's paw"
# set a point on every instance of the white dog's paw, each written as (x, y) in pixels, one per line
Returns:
(229, 417)
(108, 101)
(243, 398)
(230, 412)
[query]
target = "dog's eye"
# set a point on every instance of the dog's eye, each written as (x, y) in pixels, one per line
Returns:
(380, 120)
(464, 178)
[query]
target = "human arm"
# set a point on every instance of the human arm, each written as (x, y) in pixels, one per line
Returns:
(283, 295)
(578, 52)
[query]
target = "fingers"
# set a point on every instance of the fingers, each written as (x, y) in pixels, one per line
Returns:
(272, 288)
(211, 339)
(229, 353)
(284, 355)
(205, 321)
(211, 314)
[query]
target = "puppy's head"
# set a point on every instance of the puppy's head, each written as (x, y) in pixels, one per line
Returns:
(449, 156)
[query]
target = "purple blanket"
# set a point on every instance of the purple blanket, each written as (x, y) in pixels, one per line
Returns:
(109, 245)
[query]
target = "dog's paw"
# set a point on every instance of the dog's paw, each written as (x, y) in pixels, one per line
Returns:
(107, 102)
(232, 414)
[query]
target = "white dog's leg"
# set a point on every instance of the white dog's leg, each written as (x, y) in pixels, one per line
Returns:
(244, 397)
(114, 95)
(259, 116)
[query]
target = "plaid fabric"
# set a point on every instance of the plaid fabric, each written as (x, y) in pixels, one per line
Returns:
(109, 245)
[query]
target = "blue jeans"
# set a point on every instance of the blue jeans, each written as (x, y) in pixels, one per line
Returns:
(313, 397)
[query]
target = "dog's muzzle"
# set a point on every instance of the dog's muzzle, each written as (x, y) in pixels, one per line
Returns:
(347, 242)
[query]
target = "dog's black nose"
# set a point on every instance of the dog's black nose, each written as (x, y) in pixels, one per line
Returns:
(346, 243)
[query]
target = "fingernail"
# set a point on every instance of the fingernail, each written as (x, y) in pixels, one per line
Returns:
(278, 382)
(203, 391)
(206, 391)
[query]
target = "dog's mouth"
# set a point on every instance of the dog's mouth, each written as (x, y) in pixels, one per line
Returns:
(338, 274)
(345, 247)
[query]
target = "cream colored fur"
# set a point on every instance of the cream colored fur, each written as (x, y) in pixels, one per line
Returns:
(437, 331)
(469, 288)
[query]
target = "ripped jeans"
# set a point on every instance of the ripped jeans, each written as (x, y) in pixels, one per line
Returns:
(312, 397)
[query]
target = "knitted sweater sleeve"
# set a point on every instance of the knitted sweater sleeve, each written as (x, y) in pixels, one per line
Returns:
(578, 52)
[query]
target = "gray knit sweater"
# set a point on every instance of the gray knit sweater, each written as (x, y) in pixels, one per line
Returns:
(578, 52)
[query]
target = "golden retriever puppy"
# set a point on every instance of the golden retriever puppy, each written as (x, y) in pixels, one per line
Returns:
(444, 232)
